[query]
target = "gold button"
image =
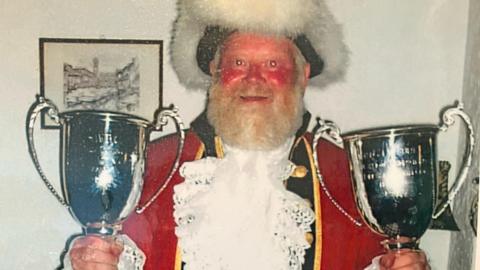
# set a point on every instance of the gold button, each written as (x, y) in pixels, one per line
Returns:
(309, 237)
(299, 171)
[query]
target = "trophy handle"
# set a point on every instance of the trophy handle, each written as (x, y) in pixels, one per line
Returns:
(447, 121)
(331, 132)
(39, 105)
(162, 120)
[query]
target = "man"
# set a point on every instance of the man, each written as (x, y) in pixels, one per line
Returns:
(247, 195)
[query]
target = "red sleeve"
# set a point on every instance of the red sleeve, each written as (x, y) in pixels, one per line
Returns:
(345, 245)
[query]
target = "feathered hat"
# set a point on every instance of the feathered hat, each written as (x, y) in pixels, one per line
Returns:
(202, 25)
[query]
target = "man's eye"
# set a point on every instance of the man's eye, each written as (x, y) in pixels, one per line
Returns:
(272, 63)
(239, 62)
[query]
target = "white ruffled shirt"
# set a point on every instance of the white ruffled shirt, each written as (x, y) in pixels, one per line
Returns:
(235, 213)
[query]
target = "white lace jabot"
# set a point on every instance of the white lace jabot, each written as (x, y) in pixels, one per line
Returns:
(235, 213)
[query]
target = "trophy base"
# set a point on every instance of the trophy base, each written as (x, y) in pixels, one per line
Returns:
(401, 243)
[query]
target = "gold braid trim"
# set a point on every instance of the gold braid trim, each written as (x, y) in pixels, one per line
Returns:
(317, 263)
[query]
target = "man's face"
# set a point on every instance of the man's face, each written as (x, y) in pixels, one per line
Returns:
(257, 70)
(256, 99)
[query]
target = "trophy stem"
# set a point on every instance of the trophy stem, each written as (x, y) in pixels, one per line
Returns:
(102, 229)
(395, 244)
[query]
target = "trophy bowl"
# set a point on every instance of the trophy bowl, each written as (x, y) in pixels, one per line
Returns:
(394, 175)
(394, 178)
(102, 156)
(102, 166)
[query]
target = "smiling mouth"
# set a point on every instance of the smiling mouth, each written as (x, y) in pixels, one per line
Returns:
(254, 98)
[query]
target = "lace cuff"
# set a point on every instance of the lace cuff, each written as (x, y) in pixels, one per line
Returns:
(132, 258)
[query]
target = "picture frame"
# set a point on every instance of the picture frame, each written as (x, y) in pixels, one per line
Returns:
(119, 75)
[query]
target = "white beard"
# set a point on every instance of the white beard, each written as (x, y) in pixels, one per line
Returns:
(257, 127)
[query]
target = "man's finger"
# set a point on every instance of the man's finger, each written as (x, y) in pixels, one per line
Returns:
(414, 266)
(117, 247)
(81, 265)
(108, 244)
(90, 255)
(387, 260)
(404, 259)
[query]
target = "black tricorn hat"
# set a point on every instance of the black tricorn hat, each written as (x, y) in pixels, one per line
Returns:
(214, 36)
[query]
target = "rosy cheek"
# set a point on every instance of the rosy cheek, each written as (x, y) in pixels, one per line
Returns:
(231, 75)
(280, 77)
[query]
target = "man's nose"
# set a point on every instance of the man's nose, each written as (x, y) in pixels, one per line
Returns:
(254, 74)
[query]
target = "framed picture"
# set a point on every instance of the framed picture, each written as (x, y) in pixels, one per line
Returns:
(101, 74)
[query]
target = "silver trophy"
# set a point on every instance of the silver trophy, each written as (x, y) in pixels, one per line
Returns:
(102, 157)
(394, 174)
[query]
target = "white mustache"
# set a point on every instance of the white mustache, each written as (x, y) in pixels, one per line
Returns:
(255, 91)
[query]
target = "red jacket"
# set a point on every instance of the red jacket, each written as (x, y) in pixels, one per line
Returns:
(337, 243)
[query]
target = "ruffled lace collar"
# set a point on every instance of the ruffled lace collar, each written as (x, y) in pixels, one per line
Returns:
(235, 213)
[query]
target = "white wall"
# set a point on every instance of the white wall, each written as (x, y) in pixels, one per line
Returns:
(407, 63)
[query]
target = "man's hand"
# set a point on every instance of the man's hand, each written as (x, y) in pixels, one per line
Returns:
(93, 252)
(404, 259)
